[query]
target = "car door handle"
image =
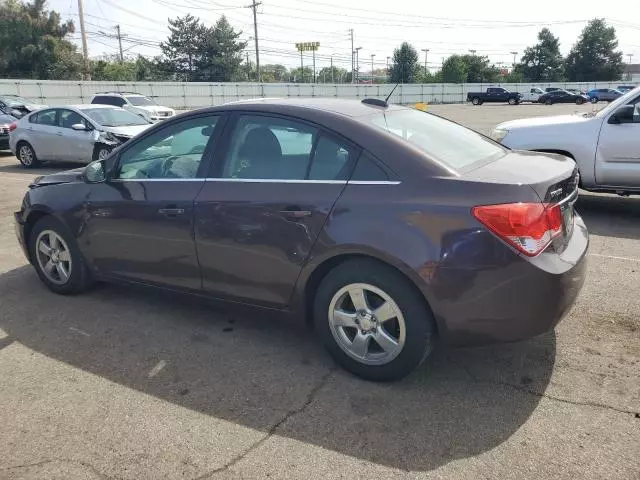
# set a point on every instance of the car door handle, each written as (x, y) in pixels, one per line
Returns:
(171, 212)
(295, 212)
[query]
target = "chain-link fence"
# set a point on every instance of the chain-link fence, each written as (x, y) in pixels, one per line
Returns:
(192, 95)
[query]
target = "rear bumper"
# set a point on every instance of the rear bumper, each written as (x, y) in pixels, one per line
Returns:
(520, 299)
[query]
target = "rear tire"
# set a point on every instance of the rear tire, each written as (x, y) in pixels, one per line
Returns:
(26, 155)
(548, 102)
(476, 101)
(391, 311)
(57, 259)
(579, 101)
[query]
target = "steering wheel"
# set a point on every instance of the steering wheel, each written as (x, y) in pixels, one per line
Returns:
(166, 165)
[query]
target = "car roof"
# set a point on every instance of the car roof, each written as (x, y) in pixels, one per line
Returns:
(87, 106)
(349, 108)
(121, 94)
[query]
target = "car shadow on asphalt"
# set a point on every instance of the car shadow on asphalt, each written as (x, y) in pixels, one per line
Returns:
(610, 215)
(268, 373)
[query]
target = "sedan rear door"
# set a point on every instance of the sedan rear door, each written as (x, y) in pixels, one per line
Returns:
(41, 133)
(268, 197)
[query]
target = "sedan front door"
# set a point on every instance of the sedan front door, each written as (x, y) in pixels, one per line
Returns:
(618, 153)
(140, 221)
(73, 145)
(273, 187)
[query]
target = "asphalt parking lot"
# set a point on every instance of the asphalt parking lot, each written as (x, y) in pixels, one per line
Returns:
(127, 384)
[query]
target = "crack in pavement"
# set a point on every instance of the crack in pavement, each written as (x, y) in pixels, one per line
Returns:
(522, 389)
(291, 413)
(62, 460)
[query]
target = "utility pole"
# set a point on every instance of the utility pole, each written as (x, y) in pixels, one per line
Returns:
(388, 58)
(248, 68)
(372, 55)
(514, 58)
(473, 52)
(332, 76)
(314, 66)
(426, 51)
(120, 43)
(352, 51)
(358, 63)
(301, 68)
(85, 48)
(254, 7)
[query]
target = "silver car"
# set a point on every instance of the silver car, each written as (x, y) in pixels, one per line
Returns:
(75, 133)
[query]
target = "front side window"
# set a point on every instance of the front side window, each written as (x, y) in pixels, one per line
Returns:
(69, 117)
(440, 139)
(114, 117)
(175, 152)
(269, 148)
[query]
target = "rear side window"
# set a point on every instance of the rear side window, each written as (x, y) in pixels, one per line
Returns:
(331, 161)
(47, 117)
(269, 148)
(367, 169)
(109, 100)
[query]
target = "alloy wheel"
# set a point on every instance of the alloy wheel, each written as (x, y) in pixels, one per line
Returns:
(54, 257)
(367, 324)
(26, 155)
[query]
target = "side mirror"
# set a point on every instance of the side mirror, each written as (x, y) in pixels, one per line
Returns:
(79, 126)
(95, 172)
(622, 115)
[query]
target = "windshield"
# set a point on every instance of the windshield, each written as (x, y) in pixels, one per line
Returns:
(11, 101)
(139, 100)
(440, 139)
(114, 117)
(631, 97)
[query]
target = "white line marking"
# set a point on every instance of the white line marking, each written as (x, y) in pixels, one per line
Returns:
(156, 370)
(81, 332)
(614, 257)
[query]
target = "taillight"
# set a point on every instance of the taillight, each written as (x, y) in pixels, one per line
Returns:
(13, 126)
(530, 227)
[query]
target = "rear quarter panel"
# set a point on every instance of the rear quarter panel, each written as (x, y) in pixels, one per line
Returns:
(422, 227)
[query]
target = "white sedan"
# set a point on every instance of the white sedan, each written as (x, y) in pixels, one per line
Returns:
(605, 145)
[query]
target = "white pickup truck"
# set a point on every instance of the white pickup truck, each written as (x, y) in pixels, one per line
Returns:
(605, 145)
(532, 95)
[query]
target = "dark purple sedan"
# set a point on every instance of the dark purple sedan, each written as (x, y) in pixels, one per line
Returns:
(388, 227)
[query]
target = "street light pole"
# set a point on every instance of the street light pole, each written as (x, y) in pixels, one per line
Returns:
(473, 52)
(426, 51)
(388, 58)
(372, 55)
(358, 63)
(332, 76)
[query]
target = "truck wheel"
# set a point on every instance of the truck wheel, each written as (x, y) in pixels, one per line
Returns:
(476, 101)
(513, 101)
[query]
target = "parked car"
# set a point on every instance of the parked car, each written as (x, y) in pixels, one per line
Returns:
(6, 122)
(74, 133)
(605, 94)
(494, 94)
(605, 145)
(391, 227)
(17, 106)
(562, 96)
(135, 103)
(625, 88)
(532, 95)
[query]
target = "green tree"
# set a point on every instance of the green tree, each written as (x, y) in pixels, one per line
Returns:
(404, 67)
(301, 76)
(220, 53)
(594, 56)
(454, 70)
(542, 62)
(274, 73)
(325, 75)
(183, 46)
(33, 42)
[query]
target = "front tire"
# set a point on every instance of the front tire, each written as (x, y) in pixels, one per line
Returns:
(57, 259)
(579, 101)
(595, 100)
(101, 152)
(27, 155)
(513, 101)
(373, 321)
